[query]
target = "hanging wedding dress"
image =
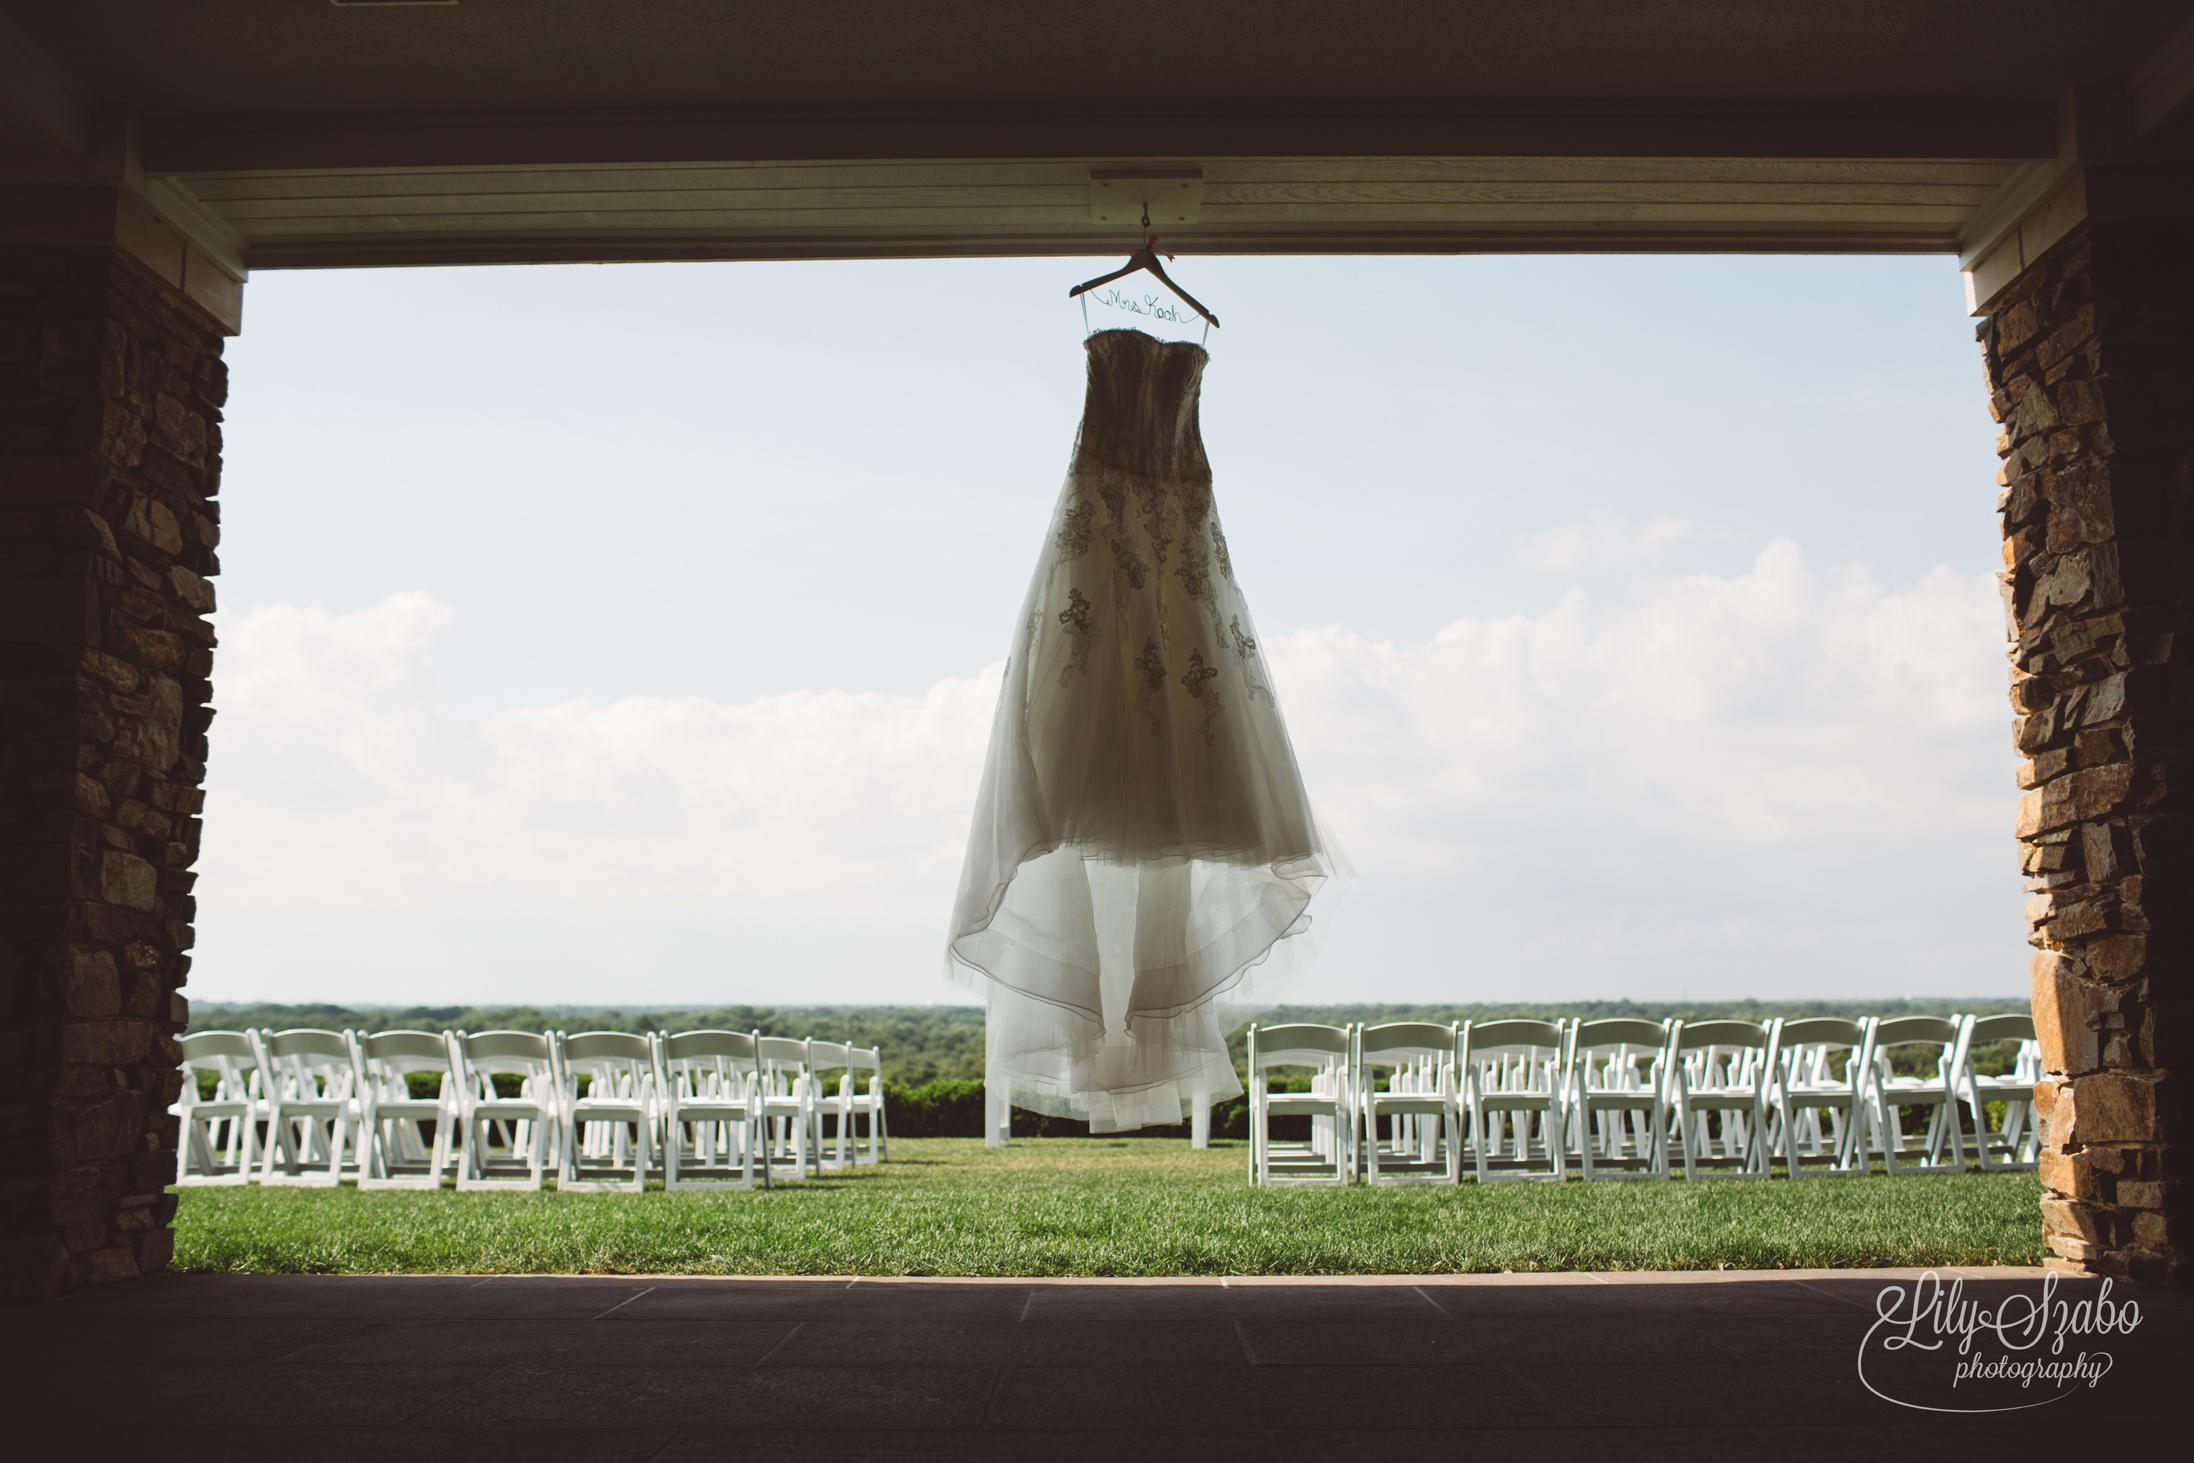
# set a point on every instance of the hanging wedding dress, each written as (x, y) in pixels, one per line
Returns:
(1142, 844)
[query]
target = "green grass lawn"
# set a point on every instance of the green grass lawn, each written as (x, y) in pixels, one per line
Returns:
(1144, 1206)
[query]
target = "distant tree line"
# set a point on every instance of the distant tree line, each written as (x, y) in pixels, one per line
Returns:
(920, 1043)
(933, 1055)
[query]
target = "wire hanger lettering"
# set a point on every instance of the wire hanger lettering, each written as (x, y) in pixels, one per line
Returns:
(1146, 258)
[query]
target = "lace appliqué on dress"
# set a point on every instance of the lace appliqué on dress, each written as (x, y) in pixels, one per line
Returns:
(1245, 652)
(1195, 505)
(1114, 493)
(1081, 630)
(1198, 680)
(1195, 576)
(1074, 537)
(1153, 667)
(1131, 565)
(1157, 518)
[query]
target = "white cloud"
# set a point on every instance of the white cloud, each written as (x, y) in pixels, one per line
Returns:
(1782, 782)
(1605, 540)
(1788, 781)
(363, 845)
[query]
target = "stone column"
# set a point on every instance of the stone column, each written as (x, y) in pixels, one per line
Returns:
(2090, 358)
(111, 384)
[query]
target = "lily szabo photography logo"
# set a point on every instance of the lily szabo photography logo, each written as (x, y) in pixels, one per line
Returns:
(1935, 1348)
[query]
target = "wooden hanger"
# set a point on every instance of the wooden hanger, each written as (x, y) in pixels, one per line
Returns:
(1146, 258)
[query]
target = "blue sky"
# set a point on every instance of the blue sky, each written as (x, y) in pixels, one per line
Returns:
(621, 632)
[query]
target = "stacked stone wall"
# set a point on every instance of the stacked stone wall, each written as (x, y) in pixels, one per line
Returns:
(111, 386)
(2089, 375)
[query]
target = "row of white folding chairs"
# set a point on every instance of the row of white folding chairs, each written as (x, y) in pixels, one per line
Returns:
(1621, 1098)
(699, 1108)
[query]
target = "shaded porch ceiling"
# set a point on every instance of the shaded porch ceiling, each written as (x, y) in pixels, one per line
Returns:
(301, 133)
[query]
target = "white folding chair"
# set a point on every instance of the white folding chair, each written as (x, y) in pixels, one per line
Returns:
(1720, 1070)
(833, 1108)
(790, 1127)
(1421, 1103)
(712, 1111)
(1619, 1097)
(1934, 1088)
(220, 1133)
(1512, 1098)
(2015, 1142)
(312, 1107)
(1808, 1086)
(605, 1138)
(525, 1121)
(1327, 1052)
(395, 1150)
(869, 1104)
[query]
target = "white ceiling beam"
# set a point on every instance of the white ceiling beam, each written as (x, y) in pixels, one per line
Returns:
(597, 246)
(183, 212)
(2033, 210)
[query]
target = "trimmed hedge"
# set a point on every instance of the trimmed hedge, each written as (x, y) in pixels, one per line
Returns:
(954, 1109)
(942, 1109)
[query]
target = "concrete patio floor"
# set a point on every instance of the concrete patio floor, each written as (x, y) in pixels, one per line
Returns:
(1631, 1366)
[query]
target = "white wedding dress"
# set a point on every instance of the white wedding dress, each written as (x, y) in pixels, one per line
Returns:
(1142, 844)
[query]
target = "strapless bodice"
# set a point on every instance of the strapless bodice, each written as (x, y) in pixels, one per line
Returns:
(1140, 413)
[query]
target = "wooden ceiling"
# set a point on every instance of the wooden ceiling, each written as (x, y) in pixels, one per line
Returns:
(300, 133)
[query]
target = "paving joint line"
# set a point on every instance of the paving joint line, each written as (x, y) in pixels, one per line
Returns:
(1832, 1295)
(628, 1300)
(982, 1420)
(763, 1359)
(1546, 1399)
